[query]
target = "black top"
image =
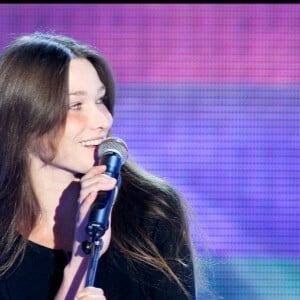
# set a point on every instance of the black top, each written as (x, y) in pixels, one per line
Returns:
(40, 274)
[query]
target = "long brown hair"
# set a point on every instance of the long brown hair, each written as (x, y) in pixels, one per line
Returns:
(33, 104)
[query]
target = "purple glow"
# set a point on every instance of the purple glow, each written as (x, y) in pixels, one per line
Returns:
(200, 43)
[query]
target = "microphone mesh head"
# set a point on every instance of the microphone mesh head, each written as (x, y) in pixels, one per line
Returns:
(114, 144)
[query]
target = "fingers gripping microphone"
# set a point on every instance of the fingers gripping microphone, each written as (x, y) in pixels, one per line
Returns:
(112, 152)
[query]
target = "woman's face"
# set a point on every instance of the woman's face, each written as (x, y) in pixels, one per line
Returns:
(88, 119)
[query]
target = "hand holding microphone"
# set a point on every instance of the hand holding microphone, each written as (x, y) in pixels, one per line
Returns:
(112, 152)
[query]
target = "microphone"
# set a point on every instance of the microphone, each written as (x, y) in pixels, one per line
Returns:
(111, 152)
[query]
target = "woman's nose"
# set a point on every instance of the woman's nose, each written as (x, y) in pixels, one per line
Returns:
(102, 118)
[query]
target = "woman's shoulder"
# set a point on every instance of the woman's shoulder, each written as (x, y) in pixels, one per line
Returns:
(39, 264)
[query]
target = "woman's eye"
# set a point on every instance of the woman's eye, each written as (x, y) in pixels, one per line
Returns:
(100, 100)
(75, 106)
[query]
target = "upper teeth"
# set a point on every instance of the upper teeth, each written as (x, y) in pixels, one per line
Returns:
(91, 143)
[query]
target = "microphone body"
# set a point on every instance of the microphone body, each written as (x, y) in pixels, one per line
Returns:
(112, 152)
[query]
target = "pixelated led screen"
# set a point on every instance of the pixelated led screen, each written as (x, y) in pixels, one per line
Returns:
(207, 98)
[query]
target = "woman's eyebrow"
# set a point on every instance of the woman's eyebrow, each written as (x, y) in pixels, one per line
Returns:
(82, 93)
(77, 93)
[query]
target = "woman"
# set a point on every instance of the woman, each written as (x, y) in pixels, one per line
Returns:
(56, 105)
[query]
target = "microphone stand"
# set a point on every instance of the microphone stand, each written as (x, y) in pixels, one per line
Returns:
(94, 246)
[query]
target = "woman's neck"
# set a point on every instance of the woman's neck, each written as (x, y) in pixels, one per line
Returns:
(57, 192)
